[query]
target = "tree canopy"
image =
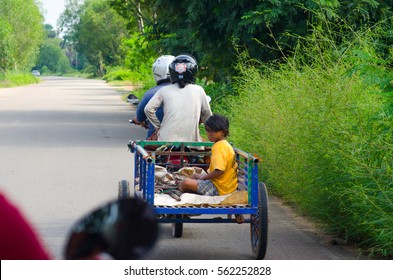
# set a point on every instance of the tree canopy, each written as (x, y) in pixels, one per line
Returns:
(212, 30)
(21, 34)
(94, 30)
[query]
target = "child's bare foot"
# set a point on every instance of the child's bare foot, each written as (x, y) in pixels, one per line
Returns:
(239, 218)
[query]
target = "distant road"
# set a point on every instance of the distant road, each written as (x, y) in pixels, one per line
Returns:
(63, 149)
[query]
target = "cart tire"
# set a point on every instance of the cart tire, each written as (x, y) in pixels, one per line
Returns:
(259, 225)
(124, 190)
(177, 228)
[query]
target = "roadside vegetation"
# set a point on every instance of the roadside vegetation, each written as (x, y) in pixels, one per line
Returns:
(316, 107)
(21, 34)
(307, 85)
(321, 120)
(13, 79)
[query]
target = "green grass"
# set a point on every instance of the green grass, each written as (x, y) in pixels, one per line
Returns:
(123, 74)
(14, 79)
(324, 132)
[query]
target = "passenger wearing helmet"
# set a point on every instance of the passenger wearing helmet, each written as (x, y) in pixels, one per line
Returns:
(161, 76)
(184, 103)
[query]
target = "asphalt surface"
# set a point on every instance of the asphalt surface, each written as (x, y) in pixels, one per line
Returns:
(63, 149)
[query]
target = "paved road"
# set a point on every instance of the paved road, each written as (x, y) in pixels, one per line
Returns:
(63, 150)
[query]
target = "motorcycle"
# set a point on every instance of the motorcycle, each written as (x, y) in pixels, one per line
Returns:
(132, 99)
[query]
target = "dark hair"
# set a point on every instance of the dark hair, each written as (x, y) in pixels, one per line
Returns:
(217, 123)
(182, 83)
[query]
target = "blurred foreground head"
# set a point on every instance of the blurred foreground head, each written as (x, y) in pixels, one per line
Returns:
(125, 229)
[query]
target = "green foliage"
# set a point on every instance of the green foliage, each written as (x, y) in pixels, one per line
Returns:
(368, 201)
(137, 64)
(220, 94)
(209, 27)
(50, 33)
(136, 13)
(52, 58)
(21, 34)
(138, 56)
(365, 12)
(121, 74)
(6, 52)
(13, 79)
(322, 128)
(373, 62)
(70, 18)
(63, 65)
(92, 31)
(102, 47)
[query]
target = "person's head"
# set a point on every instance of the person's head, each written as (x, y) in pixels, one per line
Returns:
(183, 70)
(217, 127)
(161, 68)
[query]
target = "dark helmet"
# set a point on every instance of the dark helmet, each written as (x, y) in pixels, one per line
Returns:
(183, 68)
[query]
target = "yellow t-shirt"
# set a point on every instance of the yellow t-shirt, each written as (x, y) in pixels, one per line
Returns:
(224, 158)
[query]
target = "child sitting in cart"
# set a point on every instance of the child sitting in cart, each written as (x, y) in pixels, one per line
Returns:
(221, 178)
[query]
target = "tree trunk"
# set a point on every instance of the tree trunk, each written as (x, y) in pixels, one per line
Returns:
(101, 65)
(140, 19)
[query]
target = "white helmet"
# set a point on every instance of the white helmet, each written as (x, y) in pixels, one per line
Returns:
(160, 67)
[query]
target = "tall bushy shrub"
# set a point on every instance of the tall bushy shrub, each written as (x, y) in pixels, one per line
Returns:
(21, 34)
(324, 134)
(15, 78)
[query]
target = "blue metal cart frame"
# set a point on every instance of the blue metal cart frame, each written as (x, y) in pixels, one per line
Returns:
(144, 187)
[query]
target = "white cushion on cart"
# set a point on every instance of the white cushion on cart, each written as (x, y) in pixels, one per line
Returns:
(196, 199)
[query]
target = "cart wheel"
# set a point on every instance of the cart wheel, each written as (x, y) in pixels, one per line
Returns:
(259, 224)
(124, 190)
(177, 228)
